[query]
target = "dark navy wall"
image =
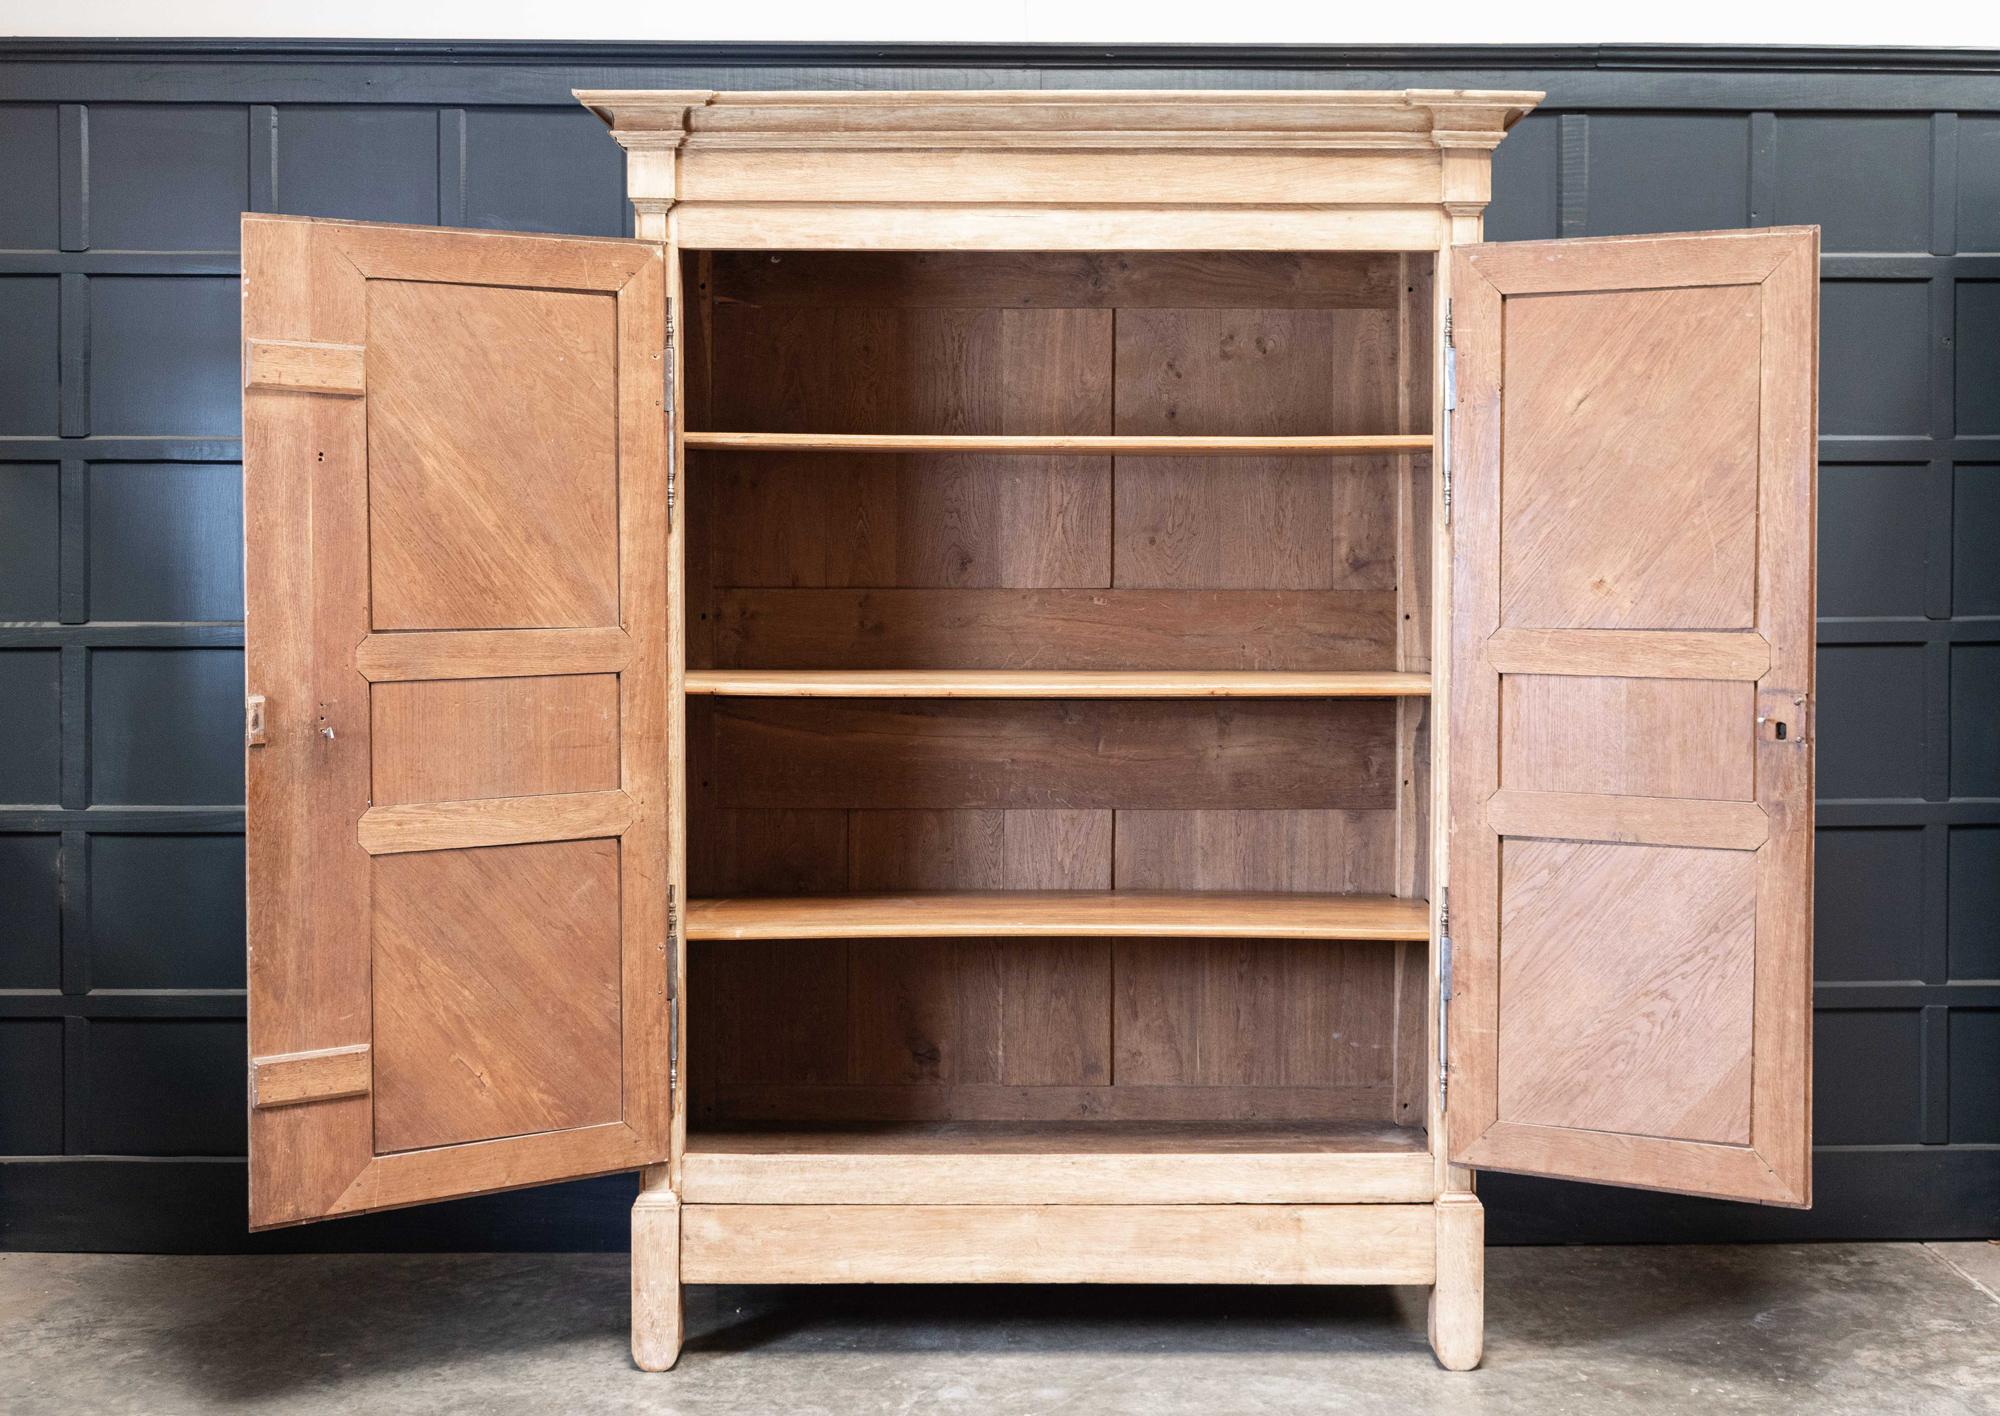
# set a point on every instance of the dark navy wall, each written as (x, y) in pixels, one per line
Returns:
(123, 169)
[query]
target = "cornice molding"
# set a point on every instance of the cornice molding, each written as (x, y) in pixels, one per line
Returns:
(1074, 120)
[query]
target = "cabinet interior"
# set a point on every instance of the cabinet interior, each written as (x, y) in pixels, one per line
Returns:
(929, 689)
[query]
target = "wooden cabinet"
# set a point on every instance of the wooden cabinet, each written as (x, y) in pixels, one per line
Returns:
(1030, 687)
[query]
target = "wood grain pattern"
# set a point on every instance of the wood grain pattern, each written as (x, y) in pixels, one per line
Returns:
(492, 477)
(1654, 821)
(1343, 852)
(1230, 280)
(457, 739)
(1620, 1016)
(963, 522)
(1633, 978)
(658, 1317)
(874, 1025)
(992, 1013)
(491, 654)
(887, 173)
(1322, 1014)
(944, 224)
(769, 852)
(1256, 524)
(325, 1075)
(877, 370)
(1105, 1163)
(971, 753)
(1682, 654)
(303, 366)
(1057, 1244)
(1269, 524)
(1626, 736)
(496, 993)
(1246, 373)
(787, 1104)
(1057, 629)
(1646, 517)
(493, 821)
(1047, 913)
(980, 850)
(1457, 1312)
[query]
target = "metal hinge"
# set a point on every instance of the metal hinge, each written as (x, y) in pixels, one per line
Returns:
(667, 402)
(1450, 407)
(667, 358)
(1444, 992)
(673, 998)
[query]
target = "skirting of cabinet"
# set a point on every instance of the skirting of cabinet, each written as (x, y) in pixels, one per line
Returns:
(1058, 1244)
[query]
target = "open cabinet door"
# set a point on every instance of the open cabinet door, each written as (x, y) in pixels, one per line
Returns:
(455, 502)
(1631, 711)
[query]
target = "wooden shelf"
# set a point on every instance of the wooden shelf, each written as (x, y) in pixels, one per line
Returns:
(1060, 1162)
(1060, 913)
(1015, 683)
(1127, 445)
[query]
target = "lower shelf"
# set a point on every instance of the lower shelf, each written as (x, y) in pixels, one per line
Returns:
(1060, 1162)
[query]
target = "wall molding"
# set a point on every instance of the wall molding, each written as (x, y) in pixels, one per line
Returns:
(1817, 59)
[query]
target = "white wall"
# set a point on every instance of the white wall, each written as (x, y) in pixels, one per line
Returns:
(1969, 23)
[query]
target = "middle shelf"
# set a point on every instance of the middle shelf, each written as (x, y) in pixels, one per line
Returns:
(1054, 683)
(1190, 914)
(1073, 444)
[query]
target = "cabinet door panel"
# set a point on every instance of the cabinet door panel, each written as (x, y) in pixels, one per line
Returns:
(1631, 711)
(456, 620)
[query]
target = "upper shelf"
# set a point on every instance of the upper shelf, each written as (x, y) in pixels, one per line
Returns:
(1061, 913)
(1054, 683)
(1063, 443)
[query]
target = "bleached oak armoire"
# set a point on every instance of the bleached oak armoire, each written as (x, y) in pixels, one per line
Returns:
(1030, 687)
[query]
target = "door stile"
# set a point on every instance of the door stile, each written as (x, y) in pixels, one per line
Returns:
(661, 226)
(308, 781)
(1787, 604)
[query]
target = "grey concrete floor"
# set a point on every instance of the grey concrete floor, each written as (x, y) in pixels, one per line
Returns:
(1861, 1328)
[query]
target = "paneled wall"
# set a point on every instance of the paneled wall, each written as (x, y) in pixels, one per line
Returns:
(121, 868)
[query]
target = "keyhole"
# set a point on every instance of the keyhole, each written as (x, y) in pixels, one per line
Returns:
(1781, 730)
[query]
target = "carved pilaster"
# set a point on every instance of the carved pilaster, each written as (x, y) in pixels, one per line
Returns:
(652, 126)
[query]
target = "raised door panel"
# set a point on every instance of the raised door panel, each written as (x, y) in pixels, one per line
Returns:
(455, 491)
(1631, 783)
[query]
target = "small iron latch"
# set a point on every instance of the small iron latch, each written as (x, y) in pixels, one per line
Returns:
(1450, 408)
(1444, 992)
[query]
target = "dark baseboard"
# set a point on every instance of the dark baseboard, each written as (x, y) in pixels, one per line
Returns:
(197, 1207)
(1915, 1192)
